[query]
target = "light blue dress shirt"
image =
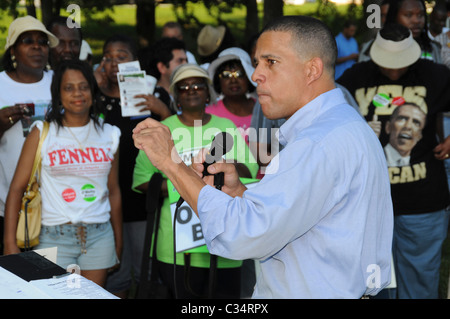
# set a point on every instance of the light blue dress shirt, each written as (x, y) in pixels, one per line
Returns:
(320, 222)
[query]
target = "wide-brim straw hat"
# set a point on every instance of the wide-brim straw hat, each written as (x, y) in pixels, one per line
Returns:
(395, 55)
(190, 70)
(209, 39)
(233, 53)
(25, 24)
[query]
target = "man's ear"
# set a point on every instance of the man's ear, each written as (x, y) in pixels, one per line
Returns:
(387, 127)
(161, 67)
(314, 69)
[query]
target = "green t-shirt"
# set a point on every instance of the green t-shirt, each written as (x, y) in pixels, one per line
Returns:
(188, 141)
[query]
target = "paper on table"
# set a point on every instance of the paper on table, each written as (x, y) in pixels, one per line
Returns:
(14, 287)
(49, 253)
(72, 286)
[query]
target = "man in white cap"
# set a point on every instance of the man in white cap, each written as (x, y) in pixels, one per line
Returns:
(397, 77)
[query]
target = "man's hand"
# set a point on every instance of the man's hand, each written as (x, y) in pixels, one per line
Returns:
(9, 116)
(442, 151)
(232, 185)
(375, 125)
(156, 141)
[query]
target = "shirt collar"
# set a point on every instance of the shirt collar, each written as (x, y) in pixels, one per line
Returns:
(306, 115)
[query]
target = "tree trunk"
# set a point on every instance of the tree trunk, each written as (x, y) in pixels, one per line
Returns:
(272, 9)
(368, 33)
(145, 22)
(252, 19)
(47, 11)
(31, 9)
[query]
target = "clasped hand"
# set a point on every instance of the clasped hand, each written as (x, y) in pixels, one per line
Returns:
(155, 140)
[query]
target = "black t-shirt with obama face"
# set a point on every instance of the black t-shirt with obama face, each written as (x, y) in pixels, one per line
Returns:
(408, 110)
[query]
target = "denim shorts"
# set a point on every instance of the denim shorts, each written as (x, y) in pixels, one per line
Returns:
(90, 246)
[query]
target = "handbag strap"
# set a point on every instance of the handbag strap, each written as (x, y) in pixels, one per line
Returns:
(37, 157)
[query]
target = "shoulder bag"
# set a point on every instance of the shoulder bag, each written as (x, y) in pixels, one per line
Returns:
(29, 225)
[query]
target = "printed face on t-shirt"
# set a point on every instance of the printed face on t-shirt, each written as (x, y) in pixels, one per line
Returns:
(405, 128)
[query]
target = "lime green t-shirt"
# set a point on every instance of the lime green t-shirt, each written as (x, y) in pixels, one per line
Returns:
(188, 141)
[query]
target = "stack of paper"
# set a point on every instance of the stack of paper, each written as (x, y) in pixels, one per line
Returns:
(70, 286)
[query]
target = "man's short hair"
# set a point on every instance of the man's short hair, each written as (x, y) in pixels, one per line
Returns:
(161, 51)
(312, 38)
(172, 25)
(60, 20)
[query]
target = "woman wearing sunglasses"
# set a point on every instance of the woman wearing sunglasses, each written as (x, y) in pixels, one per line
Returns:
(231, 73)
(193, 129)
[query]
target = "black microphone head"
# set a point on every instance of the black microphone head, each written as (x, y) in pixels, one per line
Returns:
(220, 145)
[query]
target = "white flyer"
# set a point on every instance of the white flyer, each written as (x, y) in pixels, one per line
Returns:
(133, 81)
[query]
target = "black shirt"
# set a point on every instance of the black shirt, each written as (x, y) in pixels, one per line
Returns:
(133, 203)
(421, 185)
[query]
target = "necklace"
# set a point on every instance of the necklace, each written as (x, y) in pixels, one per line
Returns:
(80, 144)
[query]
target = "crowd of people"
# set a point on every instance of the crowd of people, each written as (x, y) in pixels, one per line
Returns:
(345, 144)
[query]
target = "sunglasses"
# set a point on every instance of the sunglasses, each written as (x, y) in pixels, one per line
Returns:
(29, 41)
(195, 87)
(228, 75)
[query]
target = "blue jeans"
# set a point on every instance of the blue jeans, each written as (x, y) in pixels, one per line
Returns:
(447, 133)
(417, 249)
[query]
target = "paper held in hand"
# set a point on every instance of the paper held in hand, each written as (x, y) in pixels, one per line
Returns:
(133, 81)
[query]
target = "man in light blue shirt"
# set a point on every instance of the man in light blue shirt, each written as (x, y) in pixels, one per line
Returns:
(348, 52)
(319, 224)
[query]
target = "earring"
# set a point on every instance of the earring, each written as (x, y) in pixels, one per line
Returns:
(13, 60)
(179, 110)
(48, 67)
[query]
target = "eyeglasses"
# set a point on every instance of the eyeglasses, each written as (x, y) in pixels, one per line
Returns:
(119, 59)
(29, 41)
(228, 75)
(71, 88)
(195, 87)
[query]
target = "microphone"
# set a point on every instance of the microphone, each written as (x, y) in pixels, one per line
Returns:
(220, 145)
